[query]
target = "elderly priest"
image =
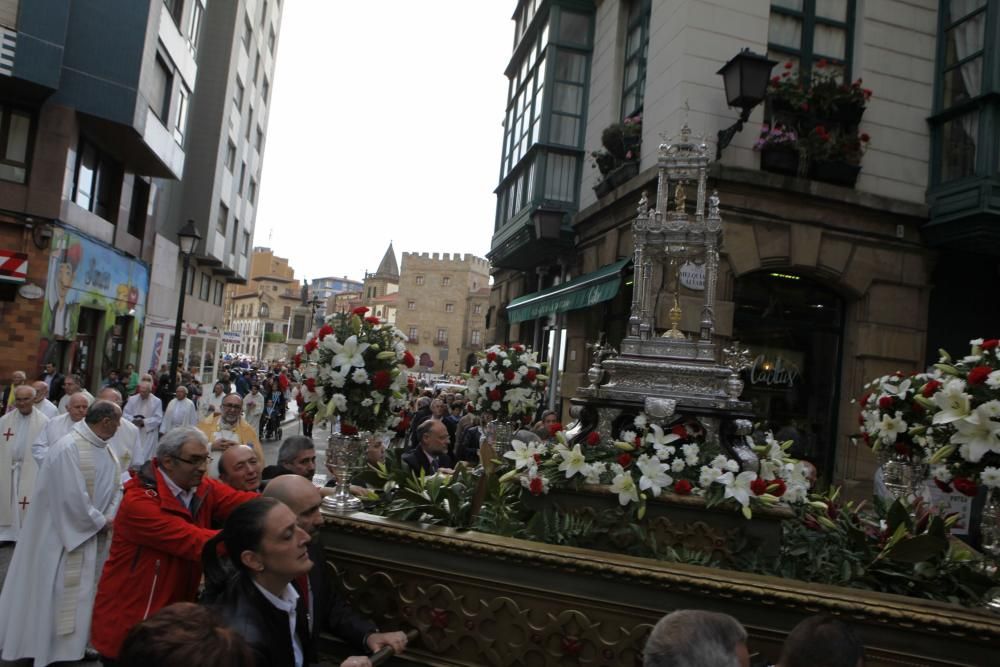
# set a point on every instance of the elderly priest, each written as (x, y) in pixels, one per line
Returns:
(19, 430)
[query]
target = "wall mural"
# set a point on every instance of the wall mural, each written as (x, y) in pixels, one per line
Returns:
(85, 274)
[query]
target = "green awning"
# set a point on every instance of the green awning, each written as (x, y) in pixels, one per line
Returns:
(586, 290)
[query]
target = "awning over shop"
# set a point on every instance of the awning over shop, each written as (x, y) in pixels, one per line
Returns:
(586, 290)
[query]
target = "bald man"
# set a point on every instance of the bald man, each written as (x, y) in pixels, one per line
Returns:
(239, 468)
(328, 610)
(42, 402)
(76, 409)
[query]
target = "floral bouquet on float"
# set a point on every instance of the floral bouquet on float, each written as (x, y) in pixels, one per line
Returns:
(892, 418)
(507, 382)
(354, 369)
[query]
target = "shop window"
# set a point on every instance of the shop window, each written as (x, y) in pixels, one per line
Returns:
(636, 47)
(15, 136)
(97, 182)
(793, 327)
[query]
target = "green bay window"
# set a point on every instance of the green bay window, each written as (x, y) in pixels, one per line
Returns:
(636, 48)
(807, 31)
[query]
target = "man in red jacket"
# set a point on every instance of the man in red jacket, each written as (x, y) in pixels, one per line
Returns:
(159, 531)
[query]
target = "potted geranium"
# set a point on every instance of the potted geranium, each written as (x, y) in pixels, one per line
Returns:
(785, 92)
(618, 161)
(779, 149)
(830, 98)
(835, 156)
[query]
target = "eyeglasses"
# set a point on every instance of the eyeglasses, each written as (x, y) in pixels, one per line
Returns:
(195, 462)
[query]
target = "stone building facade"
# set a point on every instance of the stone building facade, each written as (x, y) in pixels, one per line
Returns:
(263, 311)
(442, 305)
(829, 286)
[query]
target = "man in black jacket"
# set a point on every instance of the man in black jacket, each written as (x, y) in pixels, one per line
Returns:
(431, 453)
(55, 380)
(329, 610)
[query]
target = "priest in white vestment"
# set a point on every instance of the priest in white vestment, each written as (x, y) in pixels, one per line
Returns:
(18, 431)
(42, 402)
(72, 385)
(181, 411)
(58, 560)
(127, 440)
(211, 405)
(145, 411)
(59, 426)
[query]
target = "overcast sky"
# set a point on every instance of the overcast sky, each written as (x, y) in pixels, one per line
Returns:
(386, 124)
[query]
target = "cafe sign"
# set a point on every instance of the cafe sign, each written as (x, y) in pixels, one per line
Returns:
(779, 372)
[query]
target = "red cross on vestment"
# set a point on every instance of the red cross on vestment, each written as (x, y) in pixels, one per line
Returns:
(24, 503)
(9, 434)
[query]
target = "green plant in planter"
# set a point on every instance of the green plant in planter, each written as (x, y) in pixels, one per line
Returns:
(829, 97)
(621, 142)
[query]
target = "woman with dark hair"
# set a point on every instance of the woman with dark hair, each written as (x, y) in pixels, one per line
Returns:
(184, 635)
(267, 550)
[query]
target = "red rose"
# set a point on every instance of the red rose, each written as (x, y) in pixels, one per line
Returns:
(775, 80)
(979, 374)
(311, 384)
(372, 320)
(593, 438)
(965, 486)
(885, 402)
(865, 137)
(864, 399)
(930, 388)
(475, 371)
(531, 375)
(903, 449)
(638, 441)
(297, 359)
(789, 64)
(536, 486)
(408, 359)
(624, 459)
(310, 345)
(491, 357)
(519, 348)
(680, 431)
(494, 395)
(537, 457)
(508, 375)
(325, 331)
(348, 429)
(944, 486)
(360, 310)
(990, 344)
(555, 428)
(758, 486)
(777, 488)
(381, 379)
(682, 487)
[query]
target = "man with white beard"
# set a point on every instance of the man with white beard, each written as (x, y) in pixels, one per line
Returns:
(72, 385)
(18, 431)
(146, 412)
(127, 441)
(42, 402)
(59, 426)
(181, 411)
(63, 545)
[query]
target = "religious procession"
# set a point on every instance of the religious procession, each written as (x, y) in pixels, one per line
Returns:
(714, 380)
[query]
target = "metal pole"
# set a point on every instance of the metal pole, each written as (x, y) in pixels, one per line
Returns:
(175, 351)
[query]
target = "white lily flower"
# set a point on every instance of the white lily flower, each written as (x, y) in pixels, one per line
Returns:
(891, 427)
(624, 486)
(738, 487)
(659, 439)
(347, 354)
(990, 477)
(953, 401)
(523, 453)
(339, 402)
(979, 433)
(654, 474)
(573, 462)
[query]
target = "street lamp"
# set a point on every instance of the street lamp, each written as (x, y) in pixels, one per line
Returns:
(745, 77)
(187, 240)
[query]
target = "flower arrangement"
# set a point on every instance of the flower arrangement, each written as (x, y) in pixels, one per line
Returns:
(890, 414)
(838, 145)
(962, 426)
(354, 368)
(786, 90)
(506, 381)
(621, 142)
(776, 136)
(830, 97)
(648, 459)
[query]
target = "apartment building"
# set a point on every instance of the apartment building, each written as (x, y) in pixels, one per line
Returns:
(260, 316)
(830, 285)
(94, 99)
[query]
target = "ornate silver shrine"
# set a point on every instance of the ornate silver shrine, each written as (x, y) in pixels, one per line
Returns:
(660, 369)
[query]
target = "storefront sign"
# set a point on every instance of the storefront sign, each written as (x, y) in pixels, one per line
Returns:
(770, 373)
(234, 337)
(13, 266)
(693, 276)
(31, 291)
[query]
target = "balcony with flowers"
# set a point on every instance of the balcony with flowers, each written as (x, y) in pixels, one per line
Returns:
(812, 127)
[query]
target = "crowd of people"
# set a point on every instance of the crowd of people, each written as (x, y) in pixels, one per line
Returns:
(138, 530)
